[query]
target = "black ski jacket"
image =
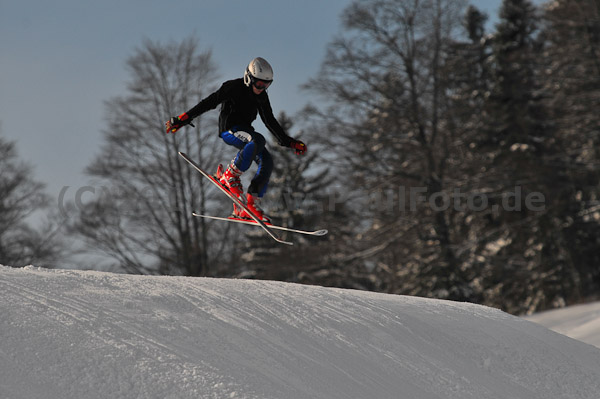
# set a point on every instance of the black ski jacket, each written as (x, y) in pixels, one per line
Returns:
(239, 107)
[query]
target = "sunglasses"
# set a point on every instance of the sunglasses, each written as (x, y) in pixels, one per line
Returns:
(261, 84)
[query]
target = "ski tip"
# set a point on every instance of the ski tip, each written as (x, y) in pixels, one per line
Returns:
(321, 232)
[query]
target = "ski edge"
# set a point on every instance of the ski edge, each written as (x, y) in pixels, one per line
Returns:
(234, 199)
(317, 233)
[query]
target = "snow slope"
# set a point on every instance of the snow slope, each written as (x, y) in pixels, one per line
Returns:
(81, 334)
(581, 322)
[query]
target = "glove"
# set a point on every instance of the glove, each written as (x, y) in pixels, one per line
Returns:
(177, 122)
(298, 146)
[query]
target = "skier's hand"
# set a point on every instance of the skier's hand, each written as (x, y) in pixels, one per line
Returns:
(177, 122)
(298, 146)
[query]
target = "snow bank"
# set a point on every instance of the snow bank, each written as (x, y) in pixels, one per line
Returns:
(581, 322)
(78, 334)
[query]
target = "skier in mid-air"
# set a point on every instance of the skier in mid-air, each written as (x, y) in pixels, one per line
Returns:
(241, 100)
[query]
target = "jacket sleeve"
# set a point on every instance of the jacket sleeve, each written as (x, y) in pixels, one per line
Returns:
(266, 115)
(210, 102)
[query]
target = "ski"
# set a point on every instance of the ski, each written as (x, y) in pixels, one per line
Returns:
(235, 199)
(319, 233)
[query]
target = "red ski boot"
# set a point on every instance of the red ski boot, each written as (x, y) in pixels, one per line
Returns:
(253, 203)
(230, 179)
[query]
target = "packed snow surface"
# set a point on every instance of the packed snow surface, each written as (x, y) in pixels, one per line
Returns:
(82, 334)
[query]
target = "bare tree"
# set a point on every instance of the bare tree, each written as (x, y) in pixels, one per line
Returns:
(143, 218)
(20, 197)
(389, 122)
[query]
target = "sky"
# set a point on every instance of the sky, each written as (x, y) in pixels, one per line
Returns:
(61, 60)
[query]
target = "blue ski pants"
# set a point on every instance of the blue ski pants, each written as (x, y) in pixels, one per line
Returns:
(251, 146)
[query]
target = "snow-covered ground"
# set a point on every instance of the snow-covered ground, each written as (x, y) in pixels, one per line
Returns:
(581, 322)
(82, 334)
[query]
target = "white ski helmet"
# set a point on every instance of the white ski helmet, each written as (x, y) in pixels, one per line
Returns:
(258, 70)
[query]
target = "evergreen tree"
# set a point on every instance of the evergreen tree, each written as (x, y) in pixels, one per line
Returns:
(520, 142)
(571, 34)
